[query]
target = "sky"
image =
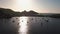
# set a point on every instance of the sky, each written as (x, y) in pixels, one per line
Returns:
(40, 6)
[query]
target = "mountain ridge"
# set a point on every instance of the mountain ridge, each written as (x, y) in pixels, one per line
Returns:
(8, 13)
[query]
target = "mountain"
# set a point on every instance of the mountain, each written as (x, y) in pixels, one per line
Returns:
(29, 13)
(8, 13)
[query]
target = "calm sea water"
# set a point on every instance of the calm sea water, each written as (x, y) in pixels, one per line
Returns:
(39, 25)
(31, 25)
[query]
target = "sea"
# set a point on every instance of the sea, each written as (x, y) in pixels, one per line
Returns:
(30, 25)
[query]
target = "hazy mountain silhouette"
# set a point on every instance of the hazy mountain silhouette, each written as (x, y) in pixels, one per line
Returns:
(29, 13)
(8, 13)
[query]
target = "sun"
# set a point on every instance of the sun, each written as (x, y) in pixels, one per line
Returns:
(24, 4)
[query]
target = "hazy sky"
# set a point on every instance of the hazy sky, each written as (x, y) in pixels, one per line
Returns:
(44, 6)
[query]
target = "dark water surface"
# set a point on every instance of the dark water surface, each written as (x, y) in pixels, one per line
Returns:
(30, 25)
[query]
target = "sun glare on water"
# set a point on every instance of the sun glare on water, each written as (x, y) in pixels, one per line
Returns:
(23, 25)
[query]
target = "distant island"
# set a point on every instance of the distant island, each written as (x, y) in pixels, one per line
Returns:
(8, 13)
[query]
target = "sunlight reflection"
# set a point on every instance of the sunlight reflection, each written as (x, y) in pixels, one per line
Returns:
(23, 25)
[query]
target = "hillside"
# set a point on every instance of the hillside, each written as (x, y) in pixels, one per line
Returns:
(8, 13)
